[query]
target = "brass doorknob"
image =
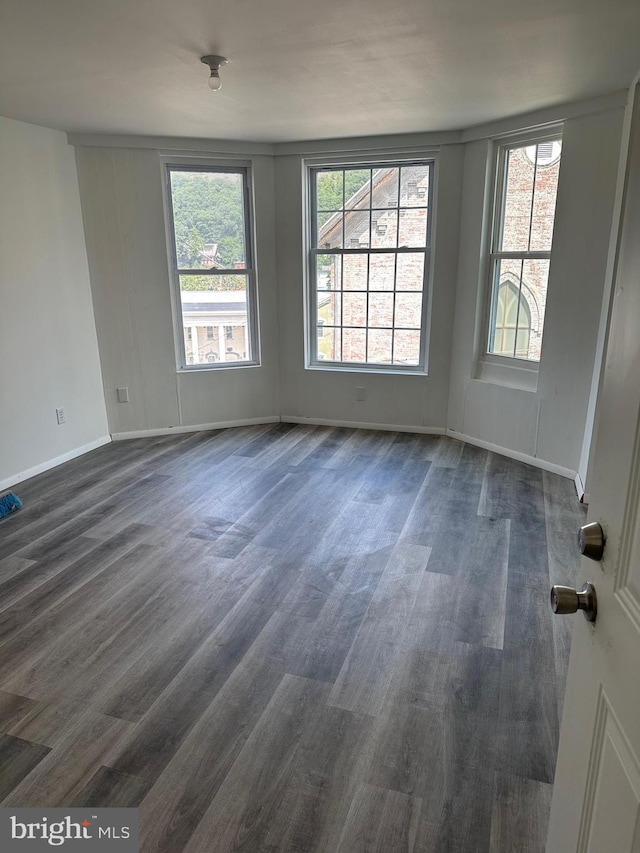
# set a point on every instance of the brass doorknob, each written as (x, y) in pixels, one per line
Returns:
(565, 599)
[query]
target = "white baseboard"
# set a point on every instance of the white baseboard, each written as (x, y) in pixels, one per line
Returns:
(273, 419)
(53, 463)
(294, 419)
(513, 454)
(150, 433)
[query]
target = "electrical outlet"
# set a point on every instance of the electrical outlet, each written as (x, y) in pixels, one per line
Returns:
(60, 416)
(123, 395)
(359, 394)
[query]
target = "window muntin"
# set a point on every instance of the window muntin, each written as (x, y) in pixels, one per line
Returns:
(212, 271)
(369, 261)
(522, 239)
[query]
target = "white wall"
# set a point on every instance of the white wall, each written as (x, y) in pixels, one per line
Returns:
(416, 401)
(539, 415)
(48, 347)
(543, 420)
(122, 207)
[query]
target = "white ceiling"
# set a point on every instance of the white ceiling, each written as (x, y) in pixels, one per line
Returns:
(306, 69)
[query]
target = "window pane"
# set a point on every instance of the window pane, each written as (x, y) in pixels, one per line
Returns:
(354, 309)
(518, 197)
(544, 201)
(381, 271)
(530, 193)
(508, 341)
(355, 272)
(354, 345)
(385, 233)
(329, 190)
(328, 344)
(408, 310)
(328, 272)
(406, 347)
(328, 309)
(535, 278)
(522, 342)
(208, 218)
(356, 229)
(381, 310)
(414, 186)
(330, 232)
(413, 228)
(410, 273)
(385, 187)
(379, 346)
(217, 301)
(357, 183)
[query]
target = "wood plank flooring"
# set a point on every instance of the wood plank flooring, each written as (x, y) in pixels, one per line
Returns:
(289, 638)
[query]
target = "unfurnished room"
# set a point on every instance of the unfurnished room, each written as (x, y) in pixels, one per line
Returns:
(320, 426)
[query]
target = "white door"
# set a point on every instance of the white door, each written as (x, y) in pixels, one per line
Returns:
(596, 796)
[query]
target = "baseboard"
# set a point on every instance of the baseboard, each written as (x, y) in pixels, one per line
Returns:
(150, 433)
(53, 463)
(513, 454)
(294, 419)
(273, 419)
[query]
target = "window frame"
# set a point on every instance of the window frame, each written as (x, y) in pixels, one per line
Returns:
(501, 147)
(373, 161)
(243, 168)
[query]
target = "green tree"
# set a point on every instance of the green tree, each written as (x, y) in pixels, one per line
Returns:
(208, 207)
(330, 183)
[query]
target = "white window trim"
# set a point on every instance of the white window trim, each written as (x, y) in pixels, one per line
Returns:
(494, 367)
(373, 158)
(203, 164)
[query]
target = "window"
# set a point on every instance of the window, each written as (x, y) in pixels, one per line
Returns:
(212, 269)
(369, 258)
(524, 215)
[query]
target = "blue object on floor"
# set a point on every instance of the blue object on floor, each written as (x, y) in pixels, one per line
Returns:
(9, 503)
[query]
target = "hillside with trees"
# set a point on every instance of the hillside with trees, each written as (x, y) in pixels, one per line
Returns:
(208, 209)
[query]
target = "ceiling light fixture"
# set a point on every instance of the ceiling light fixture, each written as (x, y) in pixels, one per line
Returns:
(214, 62)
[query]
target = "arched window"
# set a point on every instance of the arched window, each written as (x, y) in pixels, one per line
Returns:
(512, 328)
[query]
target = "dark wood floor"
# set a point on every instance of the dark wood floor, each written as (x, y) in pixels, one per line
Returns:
(289, 638)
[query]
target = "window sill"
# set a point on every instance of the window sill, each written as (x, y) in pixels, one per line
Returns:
(215, 368)
(511, 373)
(378, 371)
